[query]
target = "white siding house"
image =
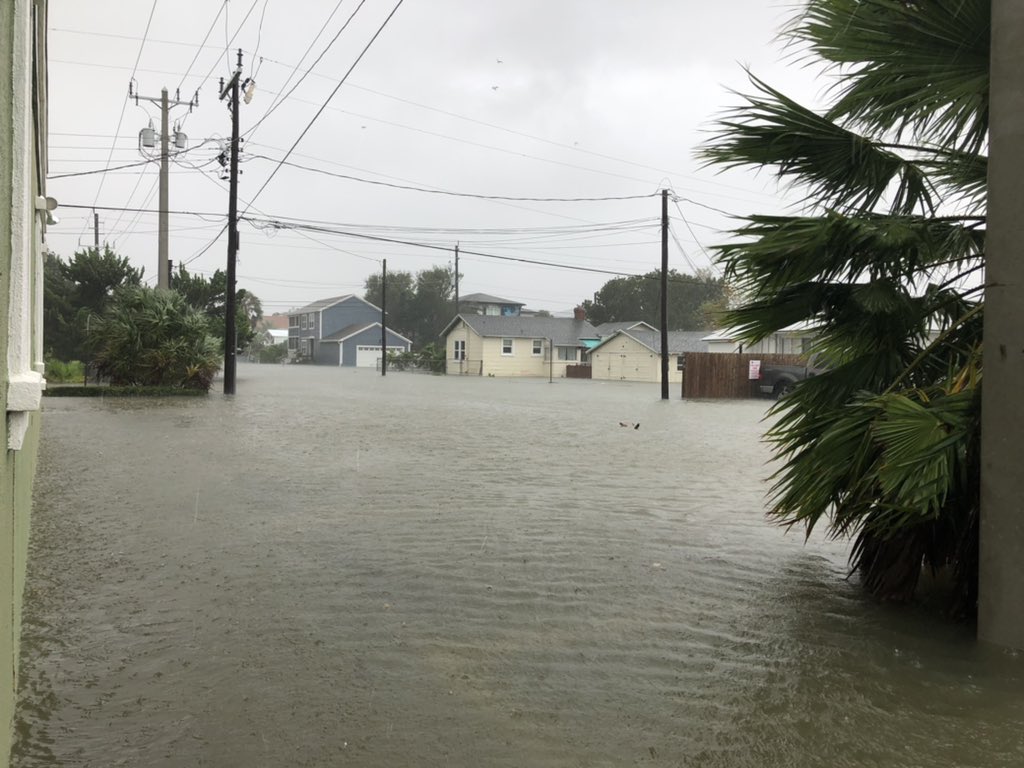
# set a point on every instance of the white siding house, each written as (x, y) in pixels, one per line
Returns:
(635, 355)
(795, 339)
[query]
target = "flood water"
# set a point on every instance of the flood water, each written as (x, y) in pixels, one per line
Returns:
(334, 569)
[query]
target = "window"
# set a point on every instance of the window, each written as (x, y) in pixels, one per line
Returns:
(459, 353)
(304, 321)
(293, 342)
(681, 363)
(538, 347)
(312, 320)
(567, 353)
(506, 346)
(293, 321)
(492, 310)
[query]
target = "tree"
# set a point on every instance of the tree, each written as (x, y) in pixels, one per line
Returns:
(152, 337)
(887, 263)
(418, 306)
(638, 298)
(76, 290)
(209, 297)
(434, 303)
(401, 291)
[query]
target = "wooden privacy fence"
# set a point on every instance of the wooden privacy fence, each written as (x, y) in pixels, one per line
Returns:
(578, 371)
(721, 375)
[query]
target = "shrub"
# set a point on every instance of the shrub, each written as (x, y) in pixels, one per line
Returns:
(60, 372)
(152, 337)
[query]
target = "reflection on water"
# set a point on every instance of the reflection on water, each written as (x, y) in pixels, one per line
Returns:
(335, 569)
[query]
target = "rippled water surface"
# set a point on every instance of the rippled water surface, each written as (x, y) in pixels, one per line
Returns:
(332, 568)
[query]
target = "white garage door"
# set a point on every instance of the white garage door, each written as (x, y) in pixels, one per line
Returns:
(367, 357)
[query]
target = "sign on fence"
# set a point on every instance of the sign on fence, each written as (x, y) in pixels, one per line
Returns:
(754, 370)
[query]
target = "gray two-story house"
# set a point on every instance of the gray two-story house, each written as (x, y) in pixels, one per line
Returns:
(342, 330)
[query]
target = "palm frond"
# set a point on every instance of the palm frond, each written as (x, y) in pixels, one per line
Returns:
(771, 252)
(840, 168)
(917, 67)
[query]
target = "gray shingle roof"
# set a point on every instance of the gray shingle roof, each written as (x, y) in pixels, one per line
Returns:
(563, 331)
(316, 306)
(351, 330)
(486, 298)
(607, 329)
(678, 341)
(347, 331)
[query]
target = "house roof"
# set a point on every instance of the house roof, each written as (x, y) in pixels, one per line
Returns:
(563, 331)
(607, 329)
(276, 321)
(679, 342)
(731, 334)
(351, 330)
(486, 298)
(322, 304)
(278, 334)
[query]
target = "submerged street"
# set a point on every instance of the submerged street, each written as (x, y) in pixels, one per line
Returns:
(332, 568)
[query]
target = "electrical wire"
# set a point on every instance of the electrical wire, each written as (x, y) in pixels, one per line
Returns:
(278, 99)
(449, 249)
(199, 50)
(309, 125)
(693, 234)
(124, 105)
(107, 169)
(456, 194)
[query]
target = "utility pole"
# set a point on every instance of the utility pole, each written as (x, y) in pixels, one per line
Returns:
(96, 231)
(163, 241)
(147, 139)
(664, 294)
(384, 318)
(1000, 579)
(456, 278)
(230, 341)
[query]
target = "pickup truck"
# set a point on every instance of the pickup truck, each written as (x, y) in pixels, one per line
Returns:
(778, 380)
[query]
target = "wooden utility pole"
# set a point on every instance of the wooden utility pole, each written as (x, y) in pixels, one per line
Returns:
(456, 279)
(96, 231)
(230, 340)
(384, 318)
(1000, 578)
(163, 241)
(664, 294)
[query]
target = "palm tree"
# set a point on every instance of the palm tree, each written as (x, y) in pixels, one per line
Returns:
(152, 337)
(887, 260)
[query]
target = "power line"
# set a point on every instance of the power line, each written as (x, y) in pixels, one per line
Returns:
(199, 49)
(124, 104)
(448, 249)
(126, 37)
(457, 194)
(107, 169)
(609, 226)
(327, 101)
(693, 234)
(278, 99)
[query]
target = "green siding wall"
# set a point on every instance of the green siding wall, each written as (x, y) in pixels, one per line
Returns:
(17, 468)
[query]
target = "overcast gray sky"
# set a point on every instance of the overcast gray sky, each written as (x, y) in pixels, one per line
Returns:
(530, 98)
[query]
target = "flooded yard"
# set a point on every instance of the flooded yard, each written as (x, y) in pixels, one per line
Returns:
(335, 569)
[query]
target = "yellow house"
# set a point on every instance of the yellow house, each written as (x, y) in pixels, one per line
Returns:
(635, 355)
(485, 345)
(24, 212)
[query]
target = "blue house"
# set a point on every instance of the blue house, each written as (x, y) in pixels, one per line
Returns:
(342, 330)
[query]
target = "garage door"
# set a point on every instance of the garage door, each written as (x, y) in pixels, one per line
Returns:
(367, 357)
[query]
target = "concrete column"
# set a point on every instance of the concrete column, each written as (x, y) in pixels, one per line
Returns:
(1001, 588)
